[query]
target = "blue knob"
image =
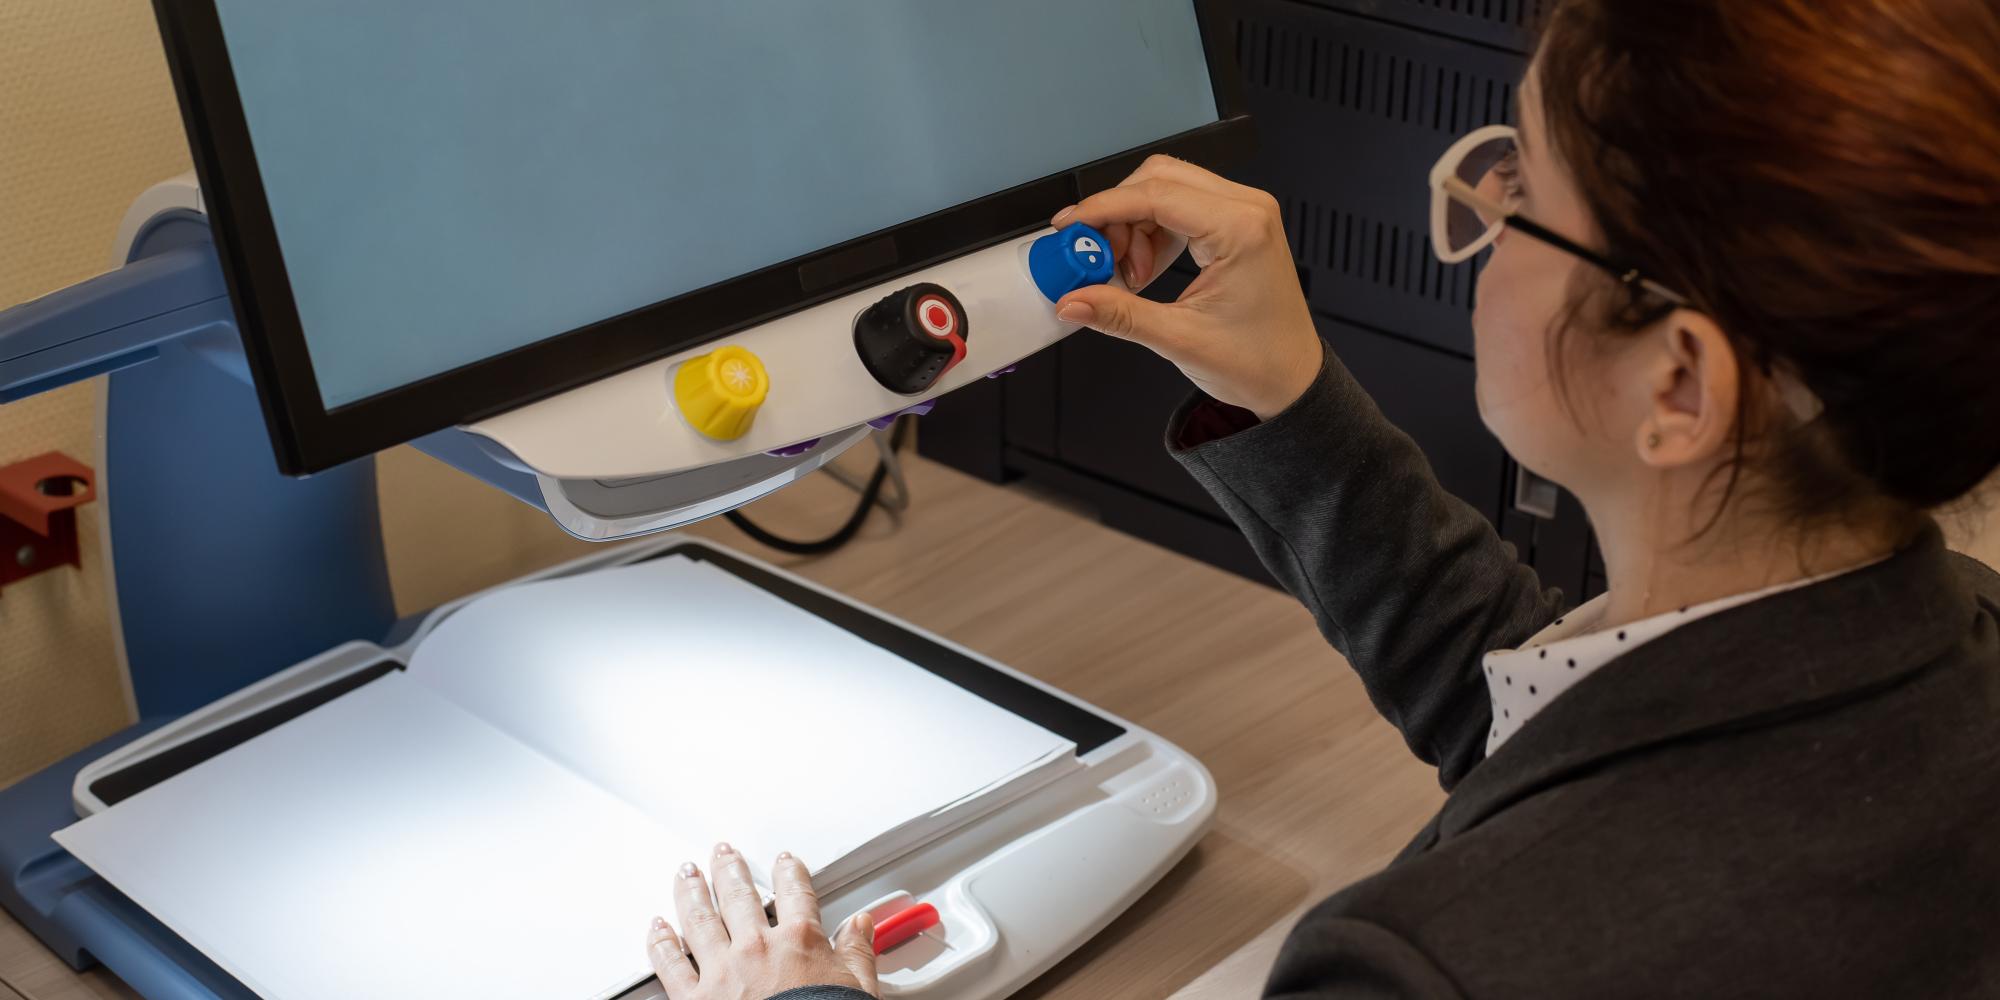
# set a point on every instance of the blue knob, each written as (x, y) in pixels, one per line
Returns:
(1063, 262)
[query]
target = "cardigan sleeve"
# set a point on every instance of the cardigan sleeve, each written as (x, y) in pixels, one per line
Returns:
(823, 993)
(1408, 582)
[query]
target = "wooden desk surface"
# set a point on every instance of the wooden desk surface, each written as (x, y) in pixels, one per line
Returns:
(1316, 790)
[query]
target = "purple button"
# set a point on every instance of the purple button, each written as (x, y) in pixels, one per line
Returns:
(883, 423)
(794, 450)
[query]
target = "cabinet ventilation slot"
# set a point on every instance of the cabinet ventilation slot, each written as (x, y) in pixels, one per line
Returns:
(1354, 246)
(1369, 81)
(1518, 13)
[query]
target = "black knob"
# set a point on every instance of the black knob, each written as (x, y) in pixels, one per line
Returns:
(910, 339)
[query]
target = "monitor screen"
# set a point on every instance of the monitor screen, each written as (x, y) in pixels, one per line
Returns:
(447, 182)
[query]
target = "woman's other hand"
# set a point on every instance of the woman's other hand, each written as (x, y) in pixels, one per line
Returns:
(737, 954)
(1241, 331)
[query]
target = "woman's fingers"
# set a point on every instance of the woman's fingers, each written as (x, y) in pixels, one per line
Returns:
(855, 945)
(1120, 234)
(797, 902)
(1176, 206)
(1154, 214)
(1162, 248)
(670, 961)
(1160, 166)
(1126, 316)
(1138, 257)
(702, 927)
(1215, 225)
(736, 896)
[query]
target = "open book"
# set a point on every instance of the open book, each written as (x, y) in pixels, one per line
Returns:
(504, 817)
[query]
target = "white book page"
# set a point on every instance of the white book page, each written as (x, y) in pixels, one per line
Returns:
(390, 845)
(722, 711)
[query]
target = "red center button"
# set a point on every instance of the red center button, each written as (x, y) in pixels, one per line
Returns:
(939, 321)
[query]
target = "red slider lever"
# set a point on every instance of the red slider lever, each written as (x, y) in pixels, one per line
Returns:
(903, 925)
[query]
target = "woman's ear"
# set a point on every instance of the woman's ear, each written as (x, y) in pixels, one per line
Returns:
(1693, 384)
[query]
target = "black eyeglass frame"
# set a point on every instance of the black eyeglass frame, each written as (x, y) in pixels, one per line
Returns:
(1448, 187)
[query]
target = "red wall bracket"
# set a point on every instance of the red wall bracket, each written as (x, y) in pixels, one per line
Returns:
(38, 501)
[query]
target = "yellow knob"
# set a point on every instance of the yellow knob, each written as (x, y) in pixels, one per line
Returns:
(719, 392)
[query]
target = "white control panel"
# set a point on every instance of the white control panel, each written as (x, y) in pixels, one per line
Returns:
(630, 425)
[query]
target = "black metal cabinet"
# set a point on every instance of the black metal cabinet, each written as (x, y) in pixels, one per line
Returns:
(1354, 100)
(1504, 24)
(1351, 113)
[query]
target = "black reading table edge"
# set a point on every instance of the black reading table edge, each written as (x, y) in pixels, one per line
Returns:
(1073, 722)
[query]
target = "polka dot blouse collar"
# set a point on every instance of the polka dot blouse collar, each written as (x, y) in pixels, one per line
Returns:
(1523, 681)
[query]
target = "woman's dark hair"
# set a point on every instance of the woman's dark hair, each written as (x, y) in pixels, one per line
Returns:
(1822, 177)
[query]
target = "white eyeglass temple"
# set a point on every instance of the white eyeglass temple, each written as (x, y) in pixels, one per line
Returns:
(1466, 193)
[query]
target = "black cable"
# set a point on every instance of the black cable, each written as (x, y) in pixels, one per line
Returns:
(870, 494)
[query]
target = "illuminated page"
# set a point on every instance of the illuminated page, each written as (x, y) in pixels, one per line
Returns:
(390, 845)
(728, 714)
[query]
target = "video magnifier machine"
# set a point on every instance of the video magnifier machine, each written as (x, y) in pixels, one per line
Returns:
(634, 263)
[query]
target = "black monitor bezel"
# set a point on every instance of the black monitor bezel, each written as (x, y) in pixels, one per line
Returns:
(308, 437)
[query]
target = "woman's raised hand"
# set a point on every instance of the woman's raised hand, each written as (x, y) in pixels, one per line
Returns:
(1241, 331)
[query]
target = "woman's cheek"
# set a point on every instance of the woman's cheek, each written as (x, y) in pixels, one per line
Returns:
(1497, 348)
(1511, 382)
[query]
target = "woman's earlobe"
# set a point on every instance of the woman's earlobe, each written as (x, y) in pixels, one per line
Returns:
(1653, 446)
(1694, 407)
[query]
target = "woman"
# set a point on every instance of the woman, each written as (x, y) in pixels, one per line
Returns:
(1744, 302)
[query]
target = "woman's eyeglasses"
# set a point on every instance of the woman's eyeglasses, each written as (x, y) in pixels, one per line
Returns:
(1476, 194)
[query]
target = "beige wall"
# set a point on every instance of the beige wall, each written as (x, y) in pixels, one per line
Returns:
(87, 121)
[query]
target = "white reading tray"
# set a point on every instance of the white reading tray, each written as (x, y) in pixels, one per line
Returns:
(1023, 869)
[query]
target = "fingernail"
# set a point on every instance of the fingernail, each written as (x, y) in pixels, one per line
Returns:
(784, 855)
(689, 870)
(1132, 275)
(659, 923)
(1063, 216)
(724, 848)
(1079, 313)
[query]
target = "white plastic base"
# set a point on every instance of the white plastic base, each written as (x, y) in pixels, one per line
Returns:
(1016, 890)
